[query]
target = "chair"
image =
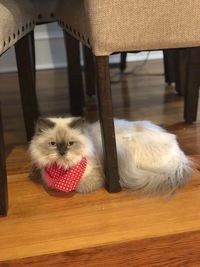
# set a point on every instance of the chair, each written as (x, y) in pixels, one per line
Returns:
(109, 26)
(17, 20)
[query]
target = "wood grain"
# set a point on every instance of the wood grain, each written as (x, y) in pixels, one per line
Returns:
(40, 223)
(150, 252)
(99, 229)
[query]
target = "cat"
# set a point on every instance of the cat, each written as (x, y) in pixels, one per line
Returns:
(44, 150)
(149, 158)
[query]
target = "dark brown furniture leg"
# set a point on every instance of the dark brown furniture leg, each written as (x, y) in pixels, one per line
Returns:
(122, 65)
(180, 63)
(24, 50)
(107, 125)
(169, 69)
(33, 54)
(3, 176)
(192, 85)
(89, 69)
(74, 75)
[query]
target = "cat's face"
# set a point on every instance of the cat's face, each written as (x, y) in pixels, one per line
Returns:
(58, 140)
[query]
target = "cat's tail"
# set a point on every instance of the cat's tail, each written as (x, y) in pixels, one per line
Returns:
(160, 181)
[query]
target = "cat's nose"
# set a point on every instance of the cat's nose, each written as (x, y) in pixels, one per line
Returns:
(62, 153)
(62, 149)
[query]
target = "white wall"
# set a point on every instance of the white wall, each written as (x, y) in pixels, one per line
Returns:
(50, 51)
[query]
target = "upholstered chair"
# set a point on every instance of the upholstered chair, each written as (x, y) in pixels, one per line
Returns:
(17, 20)
(121, 26)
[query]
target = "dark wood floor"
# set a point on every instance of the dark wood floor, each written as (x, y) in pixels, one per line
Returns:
(99, 229)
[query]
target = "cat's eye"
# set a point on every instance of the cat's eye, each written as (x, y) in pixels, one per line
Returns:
(70, 143)
(52, 143)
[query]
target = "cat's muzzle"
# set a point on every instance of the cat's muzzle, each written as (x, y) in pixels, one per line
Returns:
(62, 148)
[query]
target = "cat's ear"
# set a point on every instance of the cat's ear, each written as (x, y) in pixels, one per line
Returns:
(77, 122)
(44, 124)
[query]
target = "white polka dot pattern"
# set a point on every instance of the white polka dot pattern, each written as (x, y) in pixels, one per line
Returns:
(64, 179)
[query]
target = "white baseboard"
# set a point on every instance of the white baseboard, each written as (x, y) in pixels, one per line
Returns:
(50, 51)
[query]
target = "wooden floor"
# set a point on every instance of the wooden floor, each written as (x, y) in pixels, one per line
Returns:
(99, 229)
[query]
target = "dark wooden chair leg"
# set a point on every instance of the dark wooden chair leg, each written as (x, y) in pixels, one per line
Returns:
(76, 93)
(180, 63)
(26, 72)
(168, 60)
(3, 176)
(107, 125)
(33, 54)
(89, 69)
(122, 65)
(192, 84)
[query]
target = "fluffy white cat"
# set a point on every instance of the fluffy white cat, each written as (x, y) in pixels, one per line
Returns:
(149, 158)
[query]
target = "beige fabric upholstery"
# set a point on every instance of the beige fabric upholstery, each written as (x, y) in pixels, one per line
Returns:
(17, 18)
(45, 10)
(121, 25)
(71, 16)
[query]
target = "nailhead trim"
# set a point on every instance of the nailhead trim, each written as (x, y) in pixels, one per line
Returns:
(73, 31)
(51, 15)
(17, 33)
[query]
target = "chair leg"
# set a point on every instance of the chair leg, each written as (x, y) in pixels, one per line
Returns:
(3, 176)
(122, 64)
(192, 85)
(107, 125)
(25, 57)
(76, 93)
(168, 60)
(180, 62)
(89, 69)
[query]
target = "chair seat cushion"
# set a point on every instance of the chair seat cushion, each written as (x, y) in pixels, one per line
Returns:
(121, 25)
(45, 10)
(17, 18)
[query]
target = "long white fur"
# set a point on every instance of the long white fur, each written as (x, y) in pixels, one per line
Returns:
(149, 158)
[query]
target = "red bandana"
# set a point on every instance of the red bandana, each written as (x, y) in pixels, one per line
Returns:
(64, 179)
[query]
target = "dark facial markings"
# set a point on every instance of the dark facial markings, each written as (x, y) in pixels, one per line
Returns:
(44, 124)
(62, 148)
(77, 122)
